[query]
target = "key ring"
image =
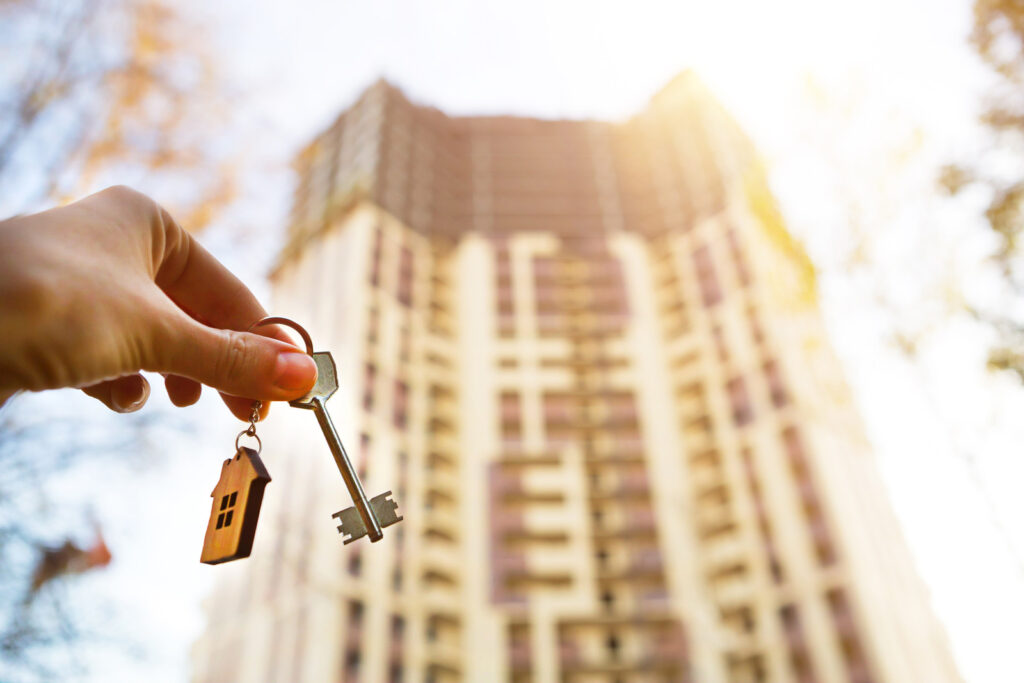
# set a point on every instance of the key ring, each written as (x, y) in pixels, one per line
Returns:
(254, 417)
(287, 322)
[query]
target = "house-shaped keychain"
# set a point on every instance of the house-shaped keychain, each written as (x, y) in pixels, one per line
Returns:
(236, 508)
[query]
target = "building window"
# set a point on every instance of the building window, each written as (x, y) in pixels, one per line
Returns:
(401, 404)
(405, 344)
(355, 614)
(755, 325)
(376, 256)
(369, 377)
(794, 449)
(846, 632)
(364, 447)
(396, 579)
(739, 260)
(815, 517)
(355, 563)
(774, 566)
(511, 419)
(775, 385)
(352, 663)
(739, 400)
(560, 410)
(614, 645)
(373, 323)
(405, 277)
(505, 305)
(720, 346)
(799, 657)
(711, 291)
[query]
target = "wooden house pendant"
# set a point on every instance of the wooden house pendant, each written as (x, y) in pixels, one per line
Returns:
(236, 508)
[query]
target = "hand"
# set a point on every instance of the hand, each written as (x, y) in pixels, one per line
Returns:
(93, 292)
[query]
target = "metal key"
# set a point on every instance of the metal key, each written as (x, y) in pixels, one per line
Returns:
(366, 517)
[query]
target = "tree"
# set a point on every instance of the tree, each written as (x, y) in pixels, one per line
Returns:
(45, 539)
(105, 89)
(998, 37)
(92, 92)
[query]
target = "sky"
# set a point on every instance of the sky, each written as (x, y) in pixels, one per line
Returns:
(852, 105)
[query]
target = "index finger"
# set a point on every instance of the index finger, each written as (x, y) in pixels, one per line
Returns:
(207, 291)
(203, 287)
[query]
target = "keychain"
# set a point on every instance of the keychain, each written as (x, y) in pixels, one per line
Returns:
(239, 493)
(236, 500)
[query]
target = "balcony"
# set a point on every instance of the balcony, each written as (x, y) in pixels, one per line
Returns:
(639, 567)
(441, 671)
(444, 443)
(723, 552)
(636, 525)
(650, 661)
(520, 656)
(442, 564)
(443, 522)
(443, 415)
(707, 481)
(444, 481)
(629, 487)
(714, 520)
(733, 592)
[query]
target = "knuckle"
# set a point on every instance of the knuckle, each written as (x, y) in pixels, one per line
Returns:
(123, 193)
(137, 204)
(233, 359)
(129, 192)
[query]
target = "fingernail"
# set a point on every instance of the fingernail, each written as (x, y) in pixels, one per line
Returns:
(294, 371)
(129, 405)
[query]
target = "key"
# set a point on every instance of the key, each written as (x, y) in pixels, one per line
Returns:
(366, 517)
(351, 522)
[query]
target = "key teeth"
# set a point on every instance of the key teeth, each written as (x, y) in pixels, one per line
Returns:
(349, 523)
(386, 509)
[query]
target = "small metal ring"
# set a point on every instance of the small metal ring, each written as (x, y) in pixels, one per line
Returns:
(245, 432)
(277, 320)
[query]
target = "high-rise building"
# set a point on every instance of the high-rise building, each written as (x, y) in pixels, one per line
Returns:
(586, 358)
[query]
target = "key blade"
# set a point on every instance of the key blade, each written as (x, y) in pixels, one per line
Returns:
(348, 473)
(326, 381)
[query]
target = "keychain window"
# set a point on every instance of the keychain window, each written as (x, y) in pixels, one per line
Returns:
(226, 505)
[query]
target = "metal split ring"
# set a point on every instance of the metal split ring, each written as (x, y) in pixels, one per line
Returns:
(249, 432)
(287, 322)
(272, 320)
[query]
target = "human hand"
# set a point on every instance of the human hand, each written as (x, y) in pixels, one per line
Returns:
(93, 292)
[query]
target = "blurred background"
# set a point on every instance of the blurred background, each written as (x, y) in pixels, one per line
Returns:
(892, 137)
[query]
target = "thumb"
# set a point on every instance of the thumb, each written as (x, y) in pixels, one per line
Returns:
(236, 363)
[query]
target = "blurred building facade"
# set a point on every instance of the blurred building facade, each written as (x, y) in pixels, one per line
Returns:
(587, 359)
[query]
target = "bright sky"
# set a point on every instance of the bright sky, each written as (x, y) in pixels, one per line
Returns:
(852, 103)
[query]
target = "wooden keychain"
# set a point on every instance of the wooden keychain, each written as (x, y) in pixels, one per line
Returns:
(236, 500)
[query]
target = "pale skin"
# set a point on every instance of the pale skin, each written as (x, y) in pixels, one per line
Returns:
(94, 292)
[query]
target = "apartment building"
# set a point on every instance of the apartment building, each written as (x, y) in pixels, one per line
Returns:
(587, 359)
